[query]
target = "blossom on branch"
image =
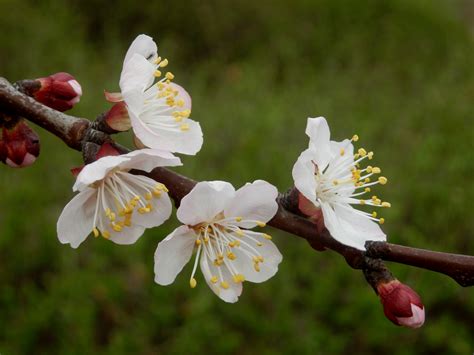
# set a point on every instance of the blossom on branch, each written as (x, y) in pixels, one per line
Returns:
(115, 203)
(159, 113)
(19, 144)
(217, 221)
(329, 176)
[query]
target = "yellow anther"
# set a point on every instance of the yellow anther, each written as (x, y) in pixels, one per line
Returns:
(218, 262)
(370, 155)
(206, 240)
(259, 244)
(362, 202)
(116, 227)
(198, 242)
(374, 214)
(214, 279)
(356, 156)
(231, 244)
(362, 152)
(158, 60)
(160, 85)
(267, 236)
(96, 232)
(237, 243)
(366, 180)
(376, 170)
(261, 224)
(163, 63)
(374, 198)
(192, 282)
(386, 204)
(355, 138)
(112, 216)
(239, 232)
(220, 256)
(335, 182)
(238, 278)
(177, 118)
(184, 127)
(256, 266)
(157, 73)
(256, 259)
(186, 113)
(381, 220)
(382, 180)
(149, 206)
(106, 234)
(231, 255)
(169, 76)
(342, 152)
(127, 222)
(143, 210)
(148, 196)
(180, 103)
(156, 193)
(260, 258)
(238, 219)
(224, 285)
(368, 169)
(378, 202)
(367, 189)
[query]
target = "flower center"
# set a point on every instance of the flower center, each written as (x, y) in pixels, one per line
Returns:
(220, 241)
(344, 181)
(120, 195)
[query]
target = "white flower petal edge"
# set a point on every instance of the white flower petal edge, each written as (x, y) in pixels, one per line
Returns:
(144, 46)
(114, 203)
(328, 174)
(215, 215)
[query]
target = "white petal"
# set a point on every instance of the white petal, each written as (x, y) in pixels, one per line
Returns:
(255, 201)
(137, 74)
(160, 213)
(232, 293)
(97, 170)
(174, 140)
(172, 254)
(205, 201)
(268, 268)
(318, 131)
(148, 159)
(144, 46)
(349, 227)
(183, 95)
(303, 175)
(75, 222)
(128, 235)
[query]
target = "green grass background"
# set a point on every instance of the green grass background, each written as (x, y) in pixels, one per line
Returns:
(398, 73)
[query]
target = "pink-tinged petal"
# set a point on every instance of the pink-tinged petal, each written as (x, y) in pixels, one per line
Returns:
(75, 222)
(245, 265)
(148, 159)
(318, 131)
(75, 171)
(306, 206)
(183, 95)
(106, 150)
(188, 141)
(205, 201)
(28, 159)
(113, 96)
(97, 171)
(117, 117)
(137, 74)
(172, 254)
(303, 175)
(138, 143)
(416, 320)
(128, 235)
(349, 227)
(144, 46)
(228, 294)
(255, 201)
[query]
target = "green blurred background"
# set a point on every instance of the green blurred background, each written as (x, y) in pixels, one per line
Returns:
(398, 73)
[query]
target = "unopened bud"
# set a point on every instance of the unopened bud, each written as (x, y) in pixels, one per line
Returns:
(401, 304)
(19, 145)
(60, 91)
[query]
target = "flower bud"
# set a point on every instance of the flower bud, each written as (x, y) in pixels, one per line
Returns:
(19, 145)
(401, 304)
(60, 91)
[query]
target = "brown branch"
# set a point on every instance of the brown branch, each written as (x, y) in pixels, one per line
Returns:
(77, 132)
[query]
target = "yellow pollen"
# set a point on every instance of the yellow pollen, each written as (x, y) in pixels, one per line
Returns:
(256, 266)
(169, 76)
(163, 63)
(218, 262)
(261, 224)
(156, 193)
(267, 236)
(231, 244)
(366, 180)
(238, 219)
(381, 220)
(382, 180)
(335, 182)
(362, 152)
(184, 127)
(377, 202)
(213, 279)
(237, 243)
(96, 232)
(260, 258)
(376, 170)
(206, 240)
(367, 189)
(362, 202)
(116, 227)
(231, 255)
(157, 73)
(239, 232)
(224, 285)
(374, 214)
(368, 169)
(180, 103)
(185, 113)
(106, 234)
(342, 152)
(238, 278)
(198, 241)
(158, 60)
(370, 155)
(148, 196)
(386, 204)
(374, 198)
(160, 85)
(192, 282)
(355, 138)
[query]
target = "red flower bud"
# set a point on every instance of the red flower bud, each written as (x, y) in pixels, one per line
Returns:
(401, 304)
(60, 91)
(19, 145)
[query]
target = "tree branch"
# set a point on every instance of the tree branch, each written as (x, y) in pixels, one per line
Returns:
(78, 132)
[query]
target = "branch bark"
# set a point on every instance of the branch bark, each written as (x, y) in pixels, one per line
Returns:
(77, 132)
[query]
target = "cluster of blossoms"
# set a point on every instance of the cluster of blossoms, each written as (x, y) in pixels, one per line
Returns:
(117, 201)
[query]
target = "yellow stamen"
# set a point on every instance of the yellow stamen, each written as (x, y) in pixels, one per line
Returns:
(169, 76)
(224, 285)
(355, 138)
(96, 232)
(382, 180)
(386, 204)
(381, 220)
(214, 279)
(157, 73)
(184, 127)
(267, 236)
(238, 219)
(261, 224)
(362, 152)
(163, 63)
(192, 282)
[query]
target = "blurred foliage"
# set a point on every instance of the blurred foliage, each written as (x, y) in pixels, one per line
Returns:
(399, 73)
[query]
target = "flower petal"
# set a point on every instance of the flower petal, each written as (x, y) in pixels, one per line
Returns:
(160, 213)
(268, 268)
(303, 175)
(318, 131)
(128, 235)
(349, 227)
(137, 74)
(234, 289)
(148, 159)
(144, 46)
(75, 222)
(255, 201)
(97, 171)
(172, 254)
(205, 201)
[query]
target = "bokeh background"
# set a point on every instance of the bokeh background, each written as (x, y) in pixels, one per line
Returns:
(399, 73)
